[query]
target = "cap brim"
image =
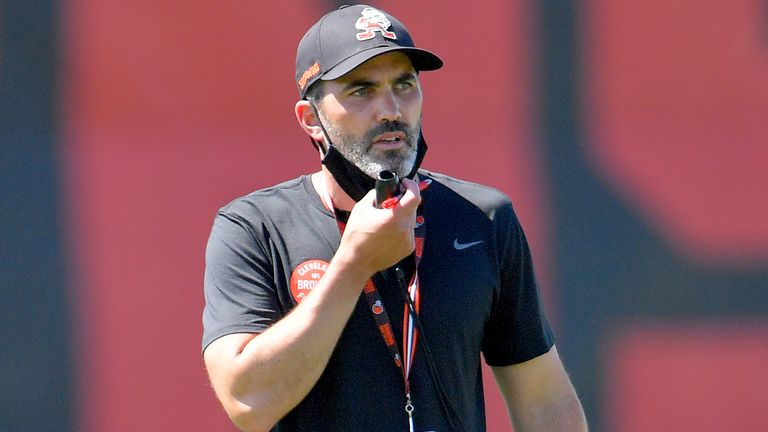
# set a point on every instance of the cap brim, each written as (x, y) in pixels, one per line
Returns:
(422, 60)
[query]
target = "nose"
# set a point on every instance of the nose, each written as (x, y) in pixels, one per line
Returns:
(388, 107)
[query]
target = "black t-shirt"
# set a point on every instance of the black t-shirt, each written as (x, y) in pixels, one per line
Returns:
(478, 294)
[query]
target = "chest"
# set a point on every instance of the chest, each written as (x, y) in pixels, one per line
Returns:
(458, 274)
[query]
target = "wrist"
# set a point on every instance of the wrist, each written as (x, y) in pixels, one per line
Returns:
(350, 269)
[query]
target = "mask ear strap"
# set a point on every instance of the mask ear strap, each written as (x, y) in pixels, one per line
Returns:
(318, 146)
(421, 149)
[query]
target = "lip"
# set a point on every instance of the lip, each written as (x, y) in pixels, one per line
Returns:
(389, 140)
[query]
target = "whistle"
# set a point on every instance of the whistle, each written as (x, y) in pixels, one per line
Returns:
(387, 185)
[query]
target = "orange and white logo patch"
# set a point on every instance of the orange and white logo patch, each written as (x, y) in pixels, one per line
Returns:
(372, 21)
(305, 277)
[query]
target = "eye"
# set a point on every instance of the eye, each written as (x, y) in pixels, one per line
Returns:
(360, 91)
(403, 85)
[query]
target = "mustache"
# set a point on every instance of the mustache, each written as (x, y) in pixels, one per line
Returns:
(389, 126)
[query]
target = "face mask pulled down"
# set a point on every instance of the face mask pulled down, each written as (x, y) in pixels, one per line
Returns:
(353, 181)
(351, 178)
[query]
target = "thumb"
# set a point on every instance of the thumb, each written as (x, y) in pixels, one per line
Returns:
(369, 199)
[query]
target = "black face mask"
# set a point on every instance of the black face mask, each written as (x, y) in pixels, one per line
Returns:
(352, 179)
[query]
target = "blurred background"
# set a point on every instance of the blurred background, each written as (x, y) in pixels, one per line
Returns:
(631, 136)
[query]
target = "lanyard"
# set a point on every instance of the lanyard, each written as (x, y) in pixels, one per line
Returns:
(410, 309)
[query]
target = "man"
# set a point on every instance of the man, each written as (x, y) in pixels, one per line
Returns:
(326, 313)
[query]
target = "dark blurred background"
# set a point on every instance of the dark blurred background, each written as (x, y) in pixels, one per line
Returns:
(631, 136)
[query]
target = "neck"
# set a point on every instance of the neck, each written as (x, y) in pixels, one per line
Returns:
(323, 180)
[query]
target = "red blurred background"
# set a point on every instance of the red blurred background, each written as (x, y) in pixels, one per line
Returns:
(630, 136)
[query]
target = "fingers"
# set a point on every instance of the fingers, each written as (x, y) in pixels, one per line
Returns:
(409, 186)
(369, 198)
(411, 198)
(377, 238)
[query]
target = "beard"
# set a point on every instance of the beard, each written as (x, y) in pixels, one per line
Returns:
(360, 150)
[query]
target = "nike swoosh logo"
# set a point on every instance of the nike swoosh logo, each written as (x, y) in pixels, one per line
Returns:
(462, 246)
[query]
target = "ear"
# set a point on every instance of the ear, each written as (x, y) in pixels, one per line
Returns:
(308, 121)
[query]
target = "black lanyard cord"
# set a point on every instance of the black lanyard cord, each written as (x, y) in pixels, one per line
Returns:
(454, 420)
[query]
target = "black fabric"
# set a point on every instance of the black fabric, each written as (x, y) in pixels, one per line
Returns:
(482, 298)
(353, 181)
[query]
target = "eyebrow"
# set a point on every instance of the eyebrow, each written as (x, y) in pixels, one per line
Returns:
(362, 82)
(405, 76)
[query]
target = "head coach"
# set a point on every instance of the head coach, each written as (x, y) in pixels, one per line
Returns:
(327, 309)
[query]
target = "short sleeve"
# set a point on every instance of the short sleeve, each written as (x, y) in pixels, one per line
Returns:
(518, 329)
(239, 288)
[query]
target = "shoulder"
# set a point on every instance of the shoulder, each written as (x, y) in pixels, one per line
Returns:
(273, 196)
(275, 202)
(489, 200)
(270, 208)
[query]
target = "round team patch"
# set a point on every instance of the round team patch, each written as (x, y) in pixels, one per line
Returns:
(305, 277)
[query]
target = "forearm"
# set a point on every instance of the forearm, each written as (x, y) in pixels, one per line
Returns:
(540, 396)
(275, 370)
(564, 414)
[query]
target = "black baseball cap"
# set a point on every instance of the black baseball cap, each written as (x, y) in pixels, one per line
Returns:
(349, 36)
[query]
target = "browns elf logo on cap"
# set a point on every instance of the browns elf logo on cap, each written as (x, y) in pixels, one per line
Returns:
(305, 277)
(372, 21)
